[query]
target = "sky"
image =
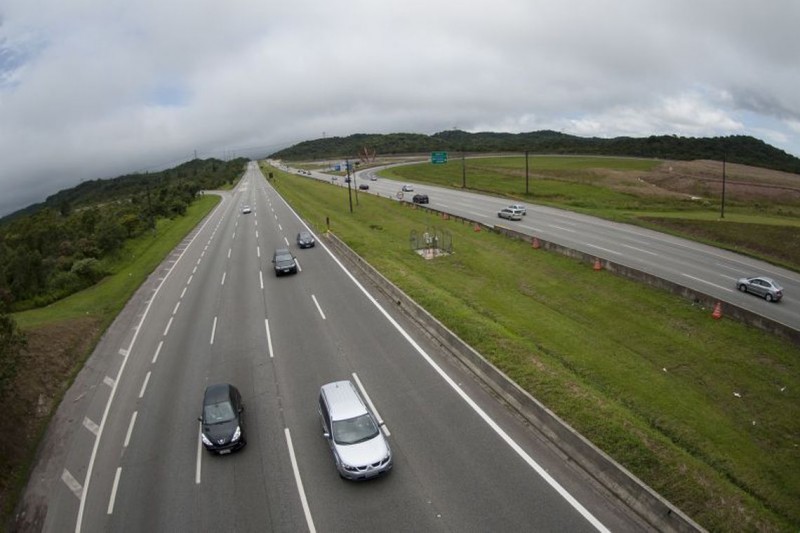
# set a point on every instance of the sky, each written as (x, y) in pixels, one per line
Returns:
(99, 88)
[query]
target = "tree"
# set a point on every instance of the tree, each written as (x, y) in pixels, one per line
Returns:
(12, 342)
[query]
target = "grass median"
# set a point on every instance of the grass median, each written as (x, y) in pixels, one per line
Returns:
(704, 411)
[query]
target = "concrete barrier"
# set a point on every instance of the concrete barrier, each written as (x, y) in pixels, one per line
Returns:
(655, 510)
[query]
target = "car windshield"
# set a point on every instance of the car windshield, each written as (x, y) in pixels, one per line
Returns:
(217, 413)
(283, 259)
(354, 430)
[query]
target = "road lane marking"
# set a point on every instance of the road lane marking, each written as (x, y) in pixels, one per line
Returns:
(234, 236)
(114, 491)
(130, 429)
(298, 265)
(639, 249)
(708, 282)
(258, 251)
(301, 491)
(606, 250)
(91, 426)
(286, 241)
(123, 352)
(199, 453)
(72, 484)
(194, 270)
(158, 350)
(144, 385)
(371, 405)
(269, 338)
(562, 228)
(183, 292)
(318, 307)
(166, 330)
(177, 305)
(189, 281)
(261, 279)
(223, 278)
(256, 234)
(229, 253)
(213, 330)
(108, 381)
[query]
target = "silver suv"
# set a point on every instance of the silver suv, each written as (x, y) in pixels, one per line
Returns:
(359, 447)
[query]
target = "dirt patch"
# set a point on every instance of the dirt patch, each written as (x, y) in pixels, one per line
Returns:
(53, 355)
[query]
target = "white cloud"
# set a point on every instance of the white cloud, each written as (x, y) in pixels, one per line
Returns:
(96, 88)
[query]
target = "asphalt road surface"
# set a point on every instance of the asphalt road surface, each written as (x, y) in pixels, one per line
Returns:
(123, 452)
(703, 268)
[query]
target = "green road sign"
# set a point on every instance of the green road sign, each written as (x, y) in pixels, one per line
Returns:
(438, 158)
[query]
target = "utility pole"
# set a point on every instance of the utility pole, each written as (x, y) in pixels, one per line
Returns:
(349, 194)
(463, 171)
(722, 208)
(526, 172)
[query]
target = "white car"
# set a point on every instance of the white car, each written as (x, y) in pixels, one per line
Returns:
(510, 214)
(520, 208)
(246, 209)
(408, 188)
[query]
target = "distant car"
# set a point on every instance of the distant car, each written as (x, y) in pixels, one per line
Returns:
(222, 423)
(284, 262)
(347, 180)
(519, 207)
(305, 240)
(246, 210)
(762, 286)
(373, 178)
(408, 188)
(420, 199)
(334, 178)
(509, 214)
(363, 187)
(360, 450)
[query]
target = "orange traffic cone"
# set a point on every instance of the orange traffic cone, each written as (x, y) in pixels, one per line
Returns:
(597, 265)
(717, 314)
(535, 244)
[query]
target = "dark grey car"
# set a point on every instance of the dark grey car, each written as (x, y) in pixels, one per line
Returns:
(305, 240)
(284, 262)
(765, 287)
(222, 424)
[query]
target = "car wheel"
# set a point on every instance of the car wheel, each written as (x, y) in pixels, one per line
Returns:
(768, 297)
(743, 287)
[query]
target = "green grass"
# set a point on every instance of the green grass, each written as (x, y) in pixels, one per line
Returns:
(610, 188)
(647, 376)
(129, 269)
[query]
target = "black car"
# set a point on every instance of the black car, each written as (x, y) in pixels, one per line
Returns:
(284, 262)
(420, 199)
(222, 420)
(363, 187)
(305, 240)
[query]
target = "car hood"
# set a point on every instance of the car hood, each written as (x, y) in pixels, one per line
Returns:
(363, 453)
(220, 433)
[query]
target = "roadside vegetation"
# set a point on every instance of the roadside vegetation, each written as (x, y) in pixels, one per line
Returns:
(67, 267)
(704, 411)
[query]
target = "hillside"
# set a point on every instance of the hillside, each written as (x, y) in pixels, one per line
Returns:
(735, 149)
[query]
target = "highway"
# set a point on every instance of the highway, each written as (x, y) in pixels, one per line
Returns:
(706, 269)
(123, 452)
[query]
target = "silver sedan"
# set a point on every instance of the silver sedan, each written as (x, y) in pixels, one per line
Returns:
(762, 286)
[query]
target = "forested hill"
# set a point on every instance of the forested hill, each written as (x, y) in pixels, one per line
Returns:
(736, 148)
(185, 179)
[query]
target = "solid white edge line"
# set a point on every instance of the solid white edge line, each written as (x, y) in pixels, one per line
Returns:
(371, 405)
(93, 456)
(269, 338)
(300, 490)
(213, 330)
(114, 491)
(318, 307)
(130, 429)
(199, 453)
(492, 424)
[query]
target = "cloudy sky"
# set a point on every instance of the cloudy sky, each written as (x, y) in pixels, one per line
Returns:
(98, 88)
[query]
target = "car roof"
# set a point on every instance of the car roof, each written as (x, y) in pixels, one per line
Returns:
(217, 393)
(343, 400)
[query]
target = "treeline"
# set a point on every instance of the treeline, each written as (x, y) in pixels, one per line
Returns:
(735, 148)
(58, 247)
